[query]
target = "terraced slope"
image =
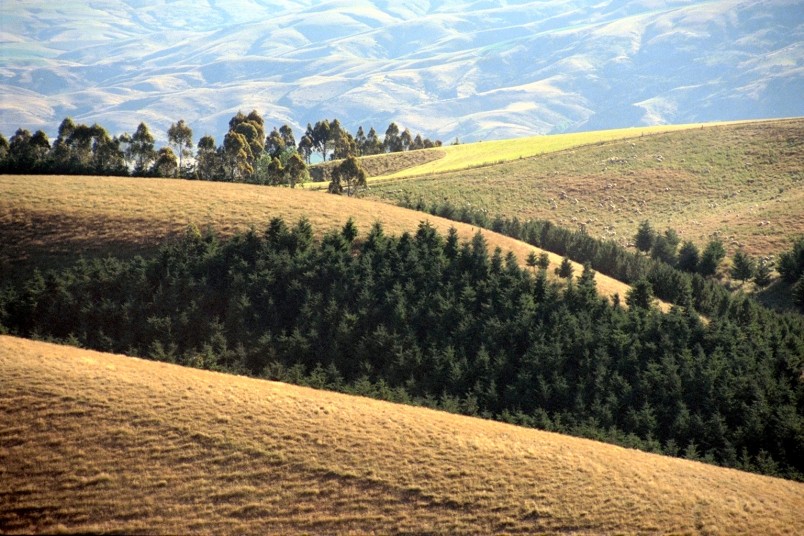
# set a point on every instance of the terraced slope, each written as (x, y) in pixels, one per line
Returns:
(49, 221)
(743, 182)
(94, 442)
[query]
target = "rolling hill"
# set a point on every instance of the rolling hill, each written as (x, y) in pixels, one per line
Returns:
(49, 221)
(479, 70)
(742, 182)
(458, 157)
(100, 443)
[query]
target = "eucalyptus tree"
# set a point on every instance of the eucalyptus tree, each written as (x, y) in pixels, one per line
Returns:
(165, 164)
(237, 156)
(348, 176)
(141, 149)
(180, 135)
(208, 159)
(392, 143)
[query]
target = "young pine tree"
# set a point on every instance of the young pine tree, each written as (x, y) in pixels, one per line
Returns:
(742, 267)
(645, 237)
(711, 257)
(762, 277)
(566, 269)
(688, 257)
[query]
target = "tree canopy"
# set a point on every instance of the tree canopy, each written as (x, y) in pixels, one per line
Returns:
(427, 319)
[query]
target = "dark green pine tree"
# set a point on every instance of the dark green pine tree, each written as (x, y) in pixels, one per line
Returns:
(762, 277)
(688, 257)
(544, 261)
(742, 267)
(640, 295)
(566, 269)
(711, 257)
(532, 261)
(645, 237)
(798, 293)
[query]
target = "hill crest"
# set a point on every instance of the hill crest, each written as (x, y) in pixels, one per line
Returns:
(213, 452)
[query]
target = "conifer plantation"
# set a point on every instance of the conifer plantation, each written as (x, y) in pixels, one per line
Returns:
(427, 319)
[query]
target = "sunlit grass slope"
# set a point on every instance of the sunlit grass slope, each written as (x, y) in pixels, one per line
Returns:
(50, 221)
(743, 182)
(464, 156)
(94, 442)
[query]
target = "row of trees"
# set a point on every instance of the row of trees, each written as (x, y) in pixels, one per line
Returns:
(246, 154)
(680, 275)
(427, 319)
(332, 142)
(665, 248)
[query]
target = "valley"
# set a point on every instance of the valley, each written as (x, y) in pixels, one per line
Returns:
(212, 452)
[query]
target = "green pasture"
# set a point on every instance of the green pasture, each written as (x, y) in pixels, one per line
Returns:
(464, 156)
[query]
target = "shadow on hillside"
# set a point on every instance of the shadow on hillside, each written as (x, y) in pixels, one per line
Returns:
(778, 296)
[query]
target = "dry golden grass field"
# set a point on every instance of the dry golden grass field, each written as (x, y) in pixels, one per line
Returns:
(50, 220)
(743, 182)
(100, 443)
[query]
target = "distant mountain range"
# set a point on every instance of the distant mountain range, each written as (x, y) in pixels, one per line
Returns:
(470, 69)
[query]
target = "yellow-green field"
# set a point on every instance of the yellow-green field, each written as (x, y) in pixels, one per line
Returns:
(99, 443)
(465, 156)
(743, 182)
(49, 221)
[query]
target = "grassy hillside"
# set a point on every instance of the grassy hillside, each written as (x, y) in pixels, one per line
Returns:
(378, 165)
(743, 182)
(49, 221)
(102, 443)
(465, 156)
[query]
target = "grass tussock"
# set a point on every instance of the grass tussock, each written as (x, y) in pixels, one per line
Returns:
(101, 443)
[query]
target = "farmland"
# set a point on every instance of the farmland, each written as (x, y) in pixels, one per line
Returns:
(210, 452)
(103, 443)
(466, 156)
(741, 182)
(50, 221)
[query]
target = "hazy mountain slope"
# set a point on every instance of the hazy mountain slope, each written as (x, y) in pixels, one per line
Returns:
(102, 443)
(477, 70)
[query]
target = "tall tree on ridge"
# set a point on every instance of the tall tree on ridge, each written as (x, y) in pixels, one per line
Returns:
(275, 144)
(252, 128)
(141, 149)
(321, 134)
(360, 140)
(287, 136)
(180, 135)
(207, 159)
(373, 145)
(391, 143)
(347, 176)
(165, 164)
(237, 156)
